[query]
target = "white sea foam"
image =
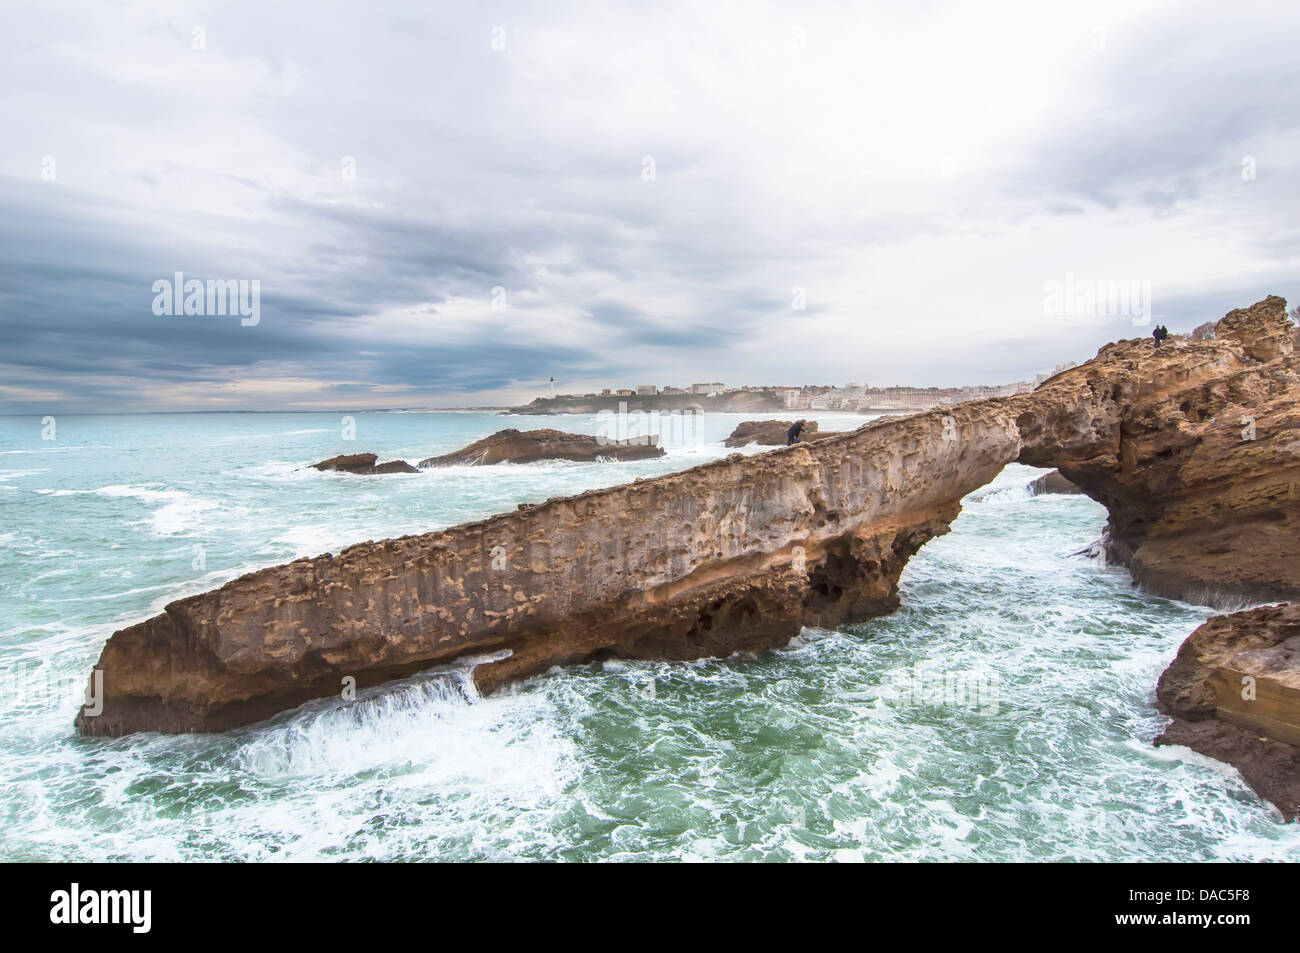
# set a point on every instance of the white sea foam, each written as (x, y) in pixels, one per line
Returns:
(7, 475)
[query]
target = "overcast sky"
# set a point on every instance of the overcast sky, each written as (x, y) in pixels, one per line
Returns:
(651, 186)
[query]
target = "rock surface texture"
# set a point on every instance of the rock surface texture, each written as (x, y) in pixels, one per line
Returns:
(363, 464)
(1053, 483)
(1194, 448)
(1234, 693)
(529, 446)
(772, 433)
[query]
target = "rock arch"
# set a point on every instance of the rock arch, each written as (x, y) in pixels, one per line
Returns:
(741, 553)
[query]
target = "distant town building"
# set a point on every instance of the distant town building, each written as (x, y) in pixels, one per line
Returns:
(859, 398)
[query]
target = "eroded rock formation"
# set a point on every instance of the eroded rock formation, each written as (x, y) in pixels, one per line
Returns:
(529, 446)
(1192, 447)
(736, 554)
(1234, 694)
(772, 433)
(1052, 483)
(741, 553)
(363, 464)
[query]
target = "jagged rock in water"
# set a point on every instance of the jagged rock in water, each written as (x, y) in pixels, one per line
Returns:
(529, 446)
(363, 464)
(1052, 483)
(739, 554)
(772, 433)
(1234, 694)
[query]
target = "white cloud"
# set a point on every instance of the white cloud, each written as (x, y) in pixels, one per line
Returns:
(921, 170)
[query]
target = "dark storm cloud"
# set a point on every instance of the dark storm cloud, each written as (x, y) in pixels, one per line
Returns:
(78, 300)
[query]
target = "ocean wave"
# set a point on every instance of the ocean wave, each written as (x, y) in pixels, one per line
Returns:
(178, 511)
(812, 751)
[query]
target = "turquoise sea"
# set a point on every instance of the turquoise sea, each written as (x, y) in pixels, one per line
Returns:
(1004, 713)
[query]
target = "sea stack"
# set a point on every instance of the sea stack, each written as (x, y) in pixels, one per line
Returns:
(530, 446)
(363, 464)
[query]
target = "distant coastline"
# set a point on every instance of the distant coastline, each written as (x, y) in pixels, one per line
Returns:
(718, 398)
(734, 402)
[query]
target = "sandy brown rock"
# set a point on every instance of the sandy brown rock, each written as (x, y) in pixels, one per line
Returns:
(1194, 448)
(741, 553)
(363, 464)
(736, 554)
(530, 446)
(1262, 331)
(772, 433)
(1234, 693)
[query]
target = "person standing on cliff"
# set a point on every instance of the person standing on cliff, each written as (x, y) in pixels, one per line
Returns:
(795, 432)
(1155, 333)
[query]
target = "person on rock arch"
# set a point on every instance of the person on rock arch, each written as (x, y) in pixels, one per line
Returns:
(797, 430)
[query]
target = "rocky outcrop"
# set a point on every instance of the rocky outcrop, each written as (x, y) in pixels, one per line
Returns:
(1234, 694)
(1194, 448)
(363, 464)
(529, 446)
(772, 433)
(734, 555)
(741, 553)
(1052, 483)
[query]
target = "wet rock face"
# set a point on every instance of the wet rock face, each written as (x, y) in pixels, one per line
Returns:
(1234, 693)
(529, 446)
(772, 433)
(741, 553)
(1053, 483)
(363, 464)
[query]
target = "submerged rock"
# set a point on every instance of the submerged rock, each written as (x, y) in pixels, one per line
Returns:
(363, 464)
(529, 446)
(1234, 694)
(772, 433)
